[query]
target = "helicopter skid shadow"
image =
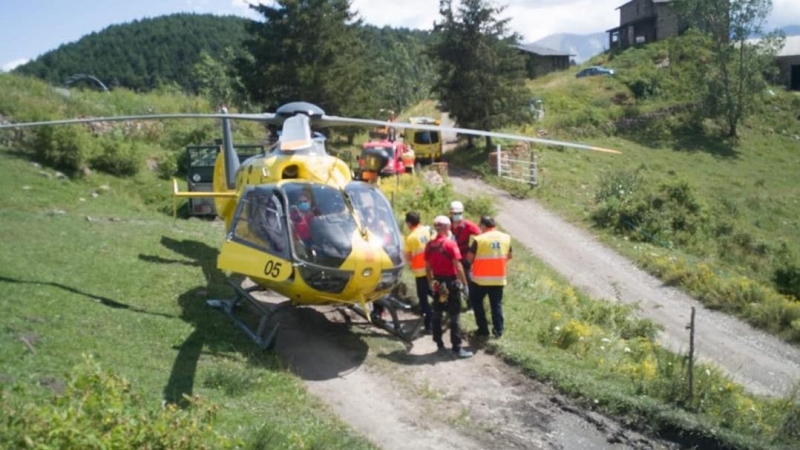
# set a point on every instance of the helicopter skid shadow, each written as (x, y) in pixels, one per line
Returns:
(316, 348)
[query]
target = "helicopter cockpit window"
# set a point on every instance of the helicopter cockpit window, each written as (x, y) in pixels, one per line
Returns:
(376, 214)
(321, 225)
(259, 222)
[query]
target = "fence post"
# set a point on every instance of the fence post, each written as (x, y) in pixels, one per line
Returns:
(534, 170)
(499, 156)
(691, 356)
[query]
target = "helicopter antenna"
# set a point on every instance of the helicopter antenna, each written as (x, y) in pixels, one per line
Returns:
(231, 159)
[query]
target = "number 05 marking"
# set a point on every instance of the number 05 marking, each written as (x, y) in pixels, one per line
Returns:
(272, 269)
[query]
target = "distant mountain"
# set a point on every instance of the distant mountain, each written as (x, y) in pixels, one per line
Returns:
(583, 46)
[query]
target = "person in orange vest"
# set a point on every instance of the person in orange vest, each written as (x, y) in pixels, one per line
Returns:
(418, 237)
(489, 254)
(446, 279)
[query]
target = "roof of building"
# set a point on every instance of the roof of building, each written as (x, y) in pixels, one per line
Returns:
(654, 1)
(791, 47)
(542, 51)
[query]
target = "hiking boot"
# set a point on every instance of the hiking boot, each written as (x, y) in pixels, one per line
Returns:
(461, 353)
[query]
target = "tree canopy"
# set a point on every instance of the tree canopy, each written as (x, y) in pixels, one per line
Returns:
(730, 86)
(305, 49)
(144, 53)
(481, 74)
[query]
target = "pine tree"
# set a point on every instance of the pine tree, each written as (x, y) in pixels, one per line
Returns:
(481, 74)
(305, 50)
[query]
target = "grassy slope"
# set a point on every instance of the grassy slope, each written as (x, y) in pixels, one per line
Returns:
(110, 277)
(748, 187)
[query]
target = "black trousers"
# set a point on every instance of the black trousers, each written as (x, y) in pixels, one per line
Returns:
(453, 307)
(476, 296)
(423, 292)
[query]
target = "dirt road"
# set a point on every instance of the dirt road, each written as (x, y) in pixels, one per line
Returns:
(761, 362)
(411, 397)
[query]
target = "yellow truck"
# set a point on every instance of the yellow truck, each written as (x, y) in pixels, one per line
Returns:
(427, 145)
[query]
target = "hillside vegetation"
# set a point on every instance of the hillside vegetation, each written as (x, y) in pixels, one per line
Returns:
(715, 216)
(202, 53)
(143, 54)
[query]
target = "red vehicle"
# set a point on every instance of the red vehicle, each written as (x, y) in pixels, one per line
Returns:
(384, 158)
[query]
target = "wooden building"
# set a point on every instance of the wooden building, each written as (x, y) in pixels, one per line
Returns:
(788, 59)
(643, 21)
(542, 60)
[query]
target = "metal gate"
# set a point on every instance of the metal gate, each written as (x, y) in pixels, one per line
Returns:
(517, 167)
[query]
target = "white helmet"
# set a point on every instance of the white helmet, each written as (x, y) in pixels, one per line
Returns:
(441, 220)
(456, 207)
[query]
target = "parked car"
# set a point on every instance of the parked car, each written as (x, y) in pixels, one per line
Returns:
(595, 70)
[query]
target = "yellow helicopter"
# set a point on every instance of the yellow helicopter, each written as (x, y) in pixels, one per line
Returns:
(297, 222)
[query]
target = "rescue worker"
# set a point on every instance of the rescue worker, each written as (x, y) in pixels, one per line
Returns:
(408, 158)
(463, 230)
(418, 237)
(489, 254)
(301, 214)
(446, 280)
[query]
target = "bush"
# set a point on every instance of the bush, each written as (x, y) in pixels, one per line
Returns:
(100, 410)
(64, 148)
(669, 214)
(167, 166)
(117, 158)
(787, 279)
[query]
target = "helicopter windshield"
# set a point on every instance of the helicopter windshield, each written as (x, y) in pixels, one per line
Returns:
(321, 225)
(375, 213)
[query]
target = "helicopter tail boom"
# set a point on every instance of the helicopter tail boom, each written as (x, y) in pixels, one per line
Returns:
(176, 193)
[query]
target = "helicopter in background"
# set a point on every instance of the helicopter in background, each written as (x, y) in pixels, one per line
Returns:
(297, 223)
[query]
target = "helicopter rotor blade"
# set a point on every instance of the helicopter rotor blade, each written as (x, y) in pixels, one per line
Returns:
(345, 121)
(323, 122)
(266, 117)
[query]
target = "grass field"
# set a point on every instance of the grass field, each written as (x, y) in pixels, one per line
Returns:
(107, 275)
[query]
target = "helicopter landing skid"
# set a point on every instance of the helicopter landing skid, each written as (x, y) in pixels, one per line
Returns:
(265, 335)
(395, 327)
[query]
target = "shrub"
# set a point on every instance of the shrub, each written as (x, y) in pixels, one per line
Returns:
(117, 158)
(100, 410)
(64, 148)
(167, 166)
(669, 214)
(787, 279)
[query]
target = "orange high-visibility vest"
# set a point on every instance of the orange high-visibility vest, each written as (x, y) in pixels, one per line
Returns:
(415, 245)
(491, 256)
(408, 158)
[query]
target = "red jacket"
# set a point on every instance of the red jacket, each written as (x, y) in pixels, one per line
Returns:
(441, 254)
(463, 232)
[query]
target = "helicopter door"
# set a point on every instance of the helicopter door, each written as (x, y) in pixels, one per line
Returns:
(257, 244)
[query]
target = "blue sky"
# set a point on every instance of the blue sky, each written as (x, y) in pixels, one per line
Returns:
(29, 28)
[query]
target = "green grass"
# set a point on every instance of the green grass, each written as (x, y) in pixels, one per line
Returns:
(600, 354)
(112, 277)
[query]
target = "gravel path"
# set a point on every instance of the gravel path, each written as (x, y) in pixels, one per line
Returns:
(760, 361)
